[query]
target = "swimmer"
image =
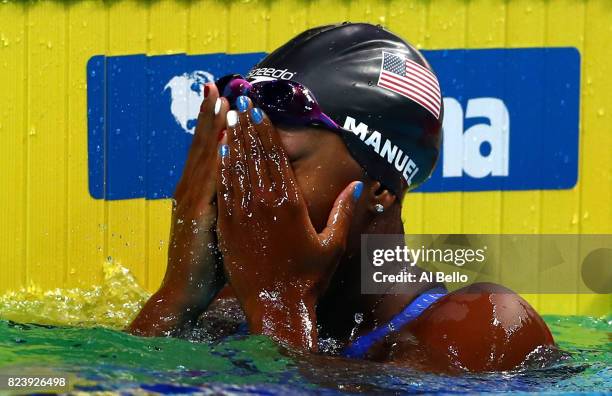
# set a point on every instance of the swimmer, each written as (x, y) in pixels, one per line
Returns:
(289, 166)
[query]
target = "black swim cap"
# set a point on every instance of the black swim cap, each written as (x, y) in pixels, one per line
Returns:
(375, 85)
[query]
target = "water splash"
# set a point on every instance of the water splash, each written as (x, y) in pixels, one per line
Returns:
(113, 304)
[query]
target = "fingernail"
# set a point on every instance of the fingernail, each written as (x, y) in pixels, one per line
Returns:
(357, 190)
(224, 150)
(242, 103)
(217, 106)
(232, 118)
(256, 115)
(220, 135)
(206, 90)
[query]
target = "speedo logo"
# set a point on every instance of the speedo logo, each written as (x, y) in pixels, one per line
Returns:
(384, 147)
(282, 74)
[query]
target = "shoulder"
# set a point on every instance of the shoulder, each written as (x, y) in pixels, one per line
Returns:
(484, 327)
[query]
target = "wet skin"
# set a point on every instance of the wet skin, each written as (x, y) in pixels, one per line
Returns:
(281, 206)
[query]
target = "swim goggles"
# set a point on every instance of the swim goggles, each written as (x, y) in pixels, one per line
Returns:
(285, 102)
(290, 103)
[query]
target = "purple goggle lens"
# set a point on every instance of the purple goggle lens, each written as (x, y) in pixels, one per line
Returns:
(283, 101)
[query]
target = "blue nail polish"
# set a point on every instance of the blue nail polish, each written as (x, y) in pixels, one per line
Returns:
(242, 104)
(357, 190)
(224, 150)
(256, 115)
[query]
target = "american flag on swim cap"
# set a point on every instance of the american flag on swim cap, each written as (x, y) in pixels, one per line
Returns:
(409, 79)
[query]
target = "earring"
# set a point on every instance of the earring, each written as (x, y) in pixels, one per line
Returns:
(379, 208)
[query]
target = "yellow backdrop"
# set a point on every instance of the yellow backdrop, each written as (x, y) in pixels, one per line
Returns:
(53, 234)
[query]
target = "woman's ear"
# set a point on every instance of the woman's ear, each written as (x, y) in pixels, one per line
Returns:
(379, 199)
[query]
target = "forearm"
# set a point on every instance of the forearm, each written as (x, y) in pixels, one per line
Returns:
(194, 273)
(168, 312)
(287, 317)
(190, 284)
(174, 308)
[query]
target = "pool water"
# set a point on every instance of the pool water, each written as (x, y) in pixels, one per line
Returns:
(106, 359)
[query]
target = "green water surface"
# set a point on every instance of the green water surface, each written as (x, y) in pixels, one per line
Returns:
(107, 360)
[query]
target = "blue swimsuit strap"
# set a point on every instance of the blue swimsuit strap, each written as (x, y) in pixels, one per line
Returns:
(362, 344)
